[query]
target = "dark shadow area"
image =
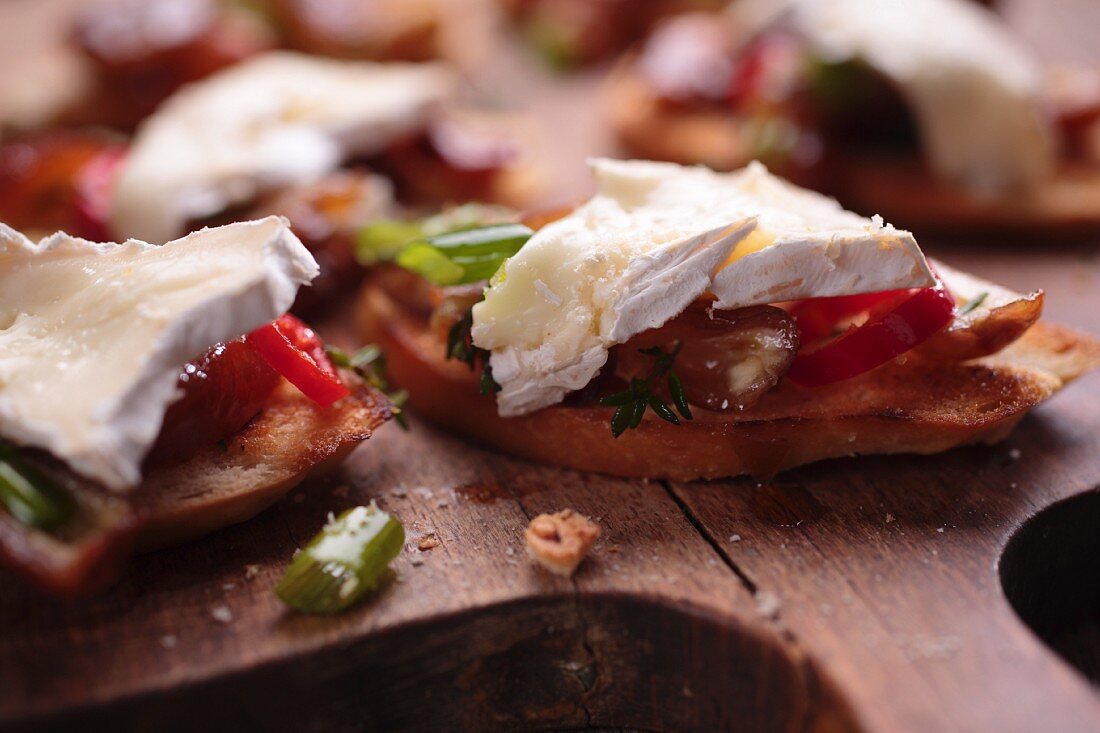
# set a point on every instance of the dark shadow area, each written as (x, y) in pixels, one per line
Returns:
(614, 663)
(1050, 572)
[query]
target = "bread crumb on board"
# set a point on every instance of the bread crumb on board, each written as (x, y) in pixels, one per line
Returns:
(559, 542)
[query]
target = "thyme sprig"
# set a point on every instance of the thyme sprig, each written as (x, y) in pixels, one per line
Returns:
(370, 364)
(460, 346)
(632, 402)
(974, 303)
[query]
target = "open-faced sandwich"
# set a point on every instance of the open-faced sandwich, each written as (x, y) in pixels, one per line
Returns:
(149, 394)
(685, 323)
(332, 145)
(929, 112)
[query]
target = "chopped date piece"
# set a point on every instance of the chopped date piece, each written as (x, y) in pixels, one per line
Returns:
(727, 359)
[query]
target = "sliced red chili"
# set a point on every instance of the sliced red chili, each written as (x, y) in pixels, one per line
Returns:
(819, 318)
(898, 321)
(297, 353)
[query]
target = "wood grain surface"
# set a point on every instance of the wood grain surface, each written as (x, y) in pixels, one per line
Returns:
(858, 594)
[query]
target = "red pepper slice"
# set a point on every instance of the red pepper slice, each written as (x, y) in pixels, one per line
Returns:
(94, 183)
(898, 321)
(819, 317)
(296, 352)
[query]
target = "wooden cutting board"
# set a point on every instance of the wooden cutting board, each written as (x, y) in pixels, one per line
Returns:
(859, 594)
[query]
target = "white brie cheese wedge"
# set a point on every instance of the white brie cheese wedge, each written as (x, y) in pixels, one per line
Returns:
(974, 90)
(655, 237)
(277, 119)
(93, 336)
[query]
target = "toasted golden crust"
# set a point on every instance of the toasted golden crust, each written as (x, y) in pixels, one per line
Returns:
(216, 488)
(909, 408)
(291, 438)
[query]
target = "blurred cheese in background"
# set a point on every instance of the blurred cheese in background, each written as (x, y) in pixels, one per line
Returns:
(975, 91)
(278, 119)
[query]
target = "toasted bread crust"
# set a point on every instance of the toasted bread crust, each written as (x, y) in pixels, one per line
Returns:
(913, 408)
(265, 460)
(291, 438)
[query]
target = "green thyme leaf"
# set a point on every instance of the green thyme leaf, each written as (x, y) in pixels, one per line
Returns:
(461, 348)
(676, 388)
(620, 421)
(346, 560)
(631, 403)
(338, 356)
(618, 399)
(488, 385)
(370, 364)
(973, 303)
(368, 356)
(663, 411)
(458, 342)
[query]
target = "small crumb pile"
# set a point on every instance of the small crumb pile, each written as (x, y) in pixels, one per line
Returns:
(559, 542)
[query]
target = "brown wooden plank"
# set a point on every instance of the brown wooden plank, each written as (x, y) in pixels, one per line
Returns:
(886, 567)
(654, 625)
(888, 625)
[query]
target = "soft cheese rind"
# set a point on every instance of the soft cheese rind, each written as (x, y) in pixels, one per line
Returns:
(654, 238)
(93, 336)
(277, 119)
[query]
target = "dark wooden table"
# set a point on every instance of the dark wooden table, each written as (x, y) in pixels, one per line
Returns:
(860, 594)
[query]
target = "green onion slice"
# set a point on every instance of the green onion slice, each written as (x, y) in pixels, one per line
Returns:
(430, 263)
(346, 560)
(381, 240)
(466, 256)
(29, 495)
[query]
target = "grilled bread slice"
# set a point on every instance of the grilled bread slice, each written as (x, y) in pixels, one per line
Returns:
(921, 406)
(219, 486)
